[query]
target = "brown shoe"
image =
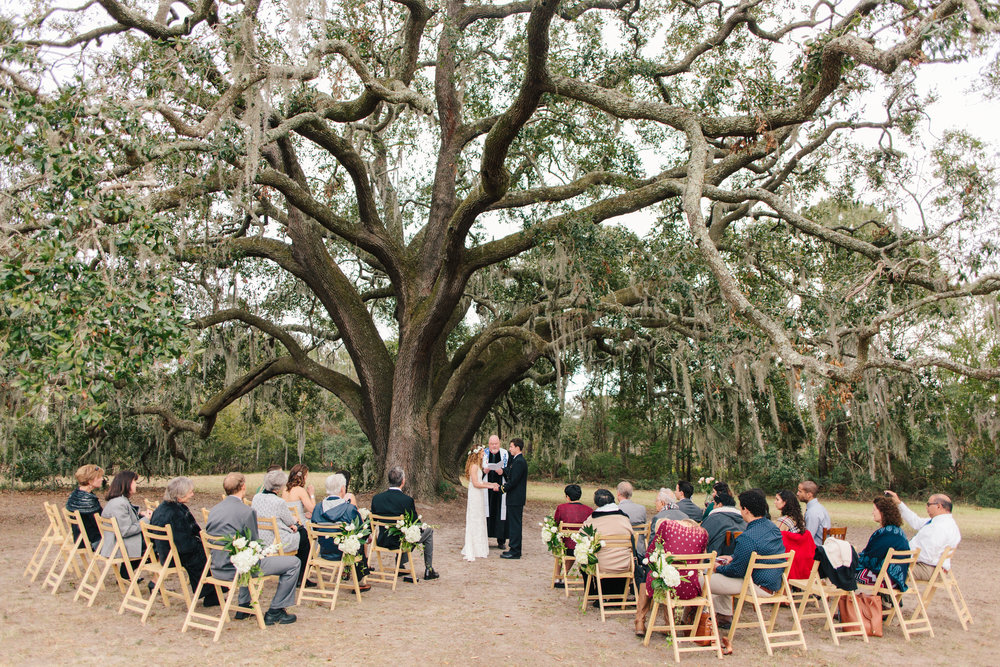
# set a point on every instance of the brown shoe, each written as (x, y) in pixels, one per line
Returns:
(640, 627)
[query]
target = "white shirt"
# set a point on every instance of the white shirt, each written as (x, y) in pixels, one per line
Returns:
(933, 535)
(817, 518)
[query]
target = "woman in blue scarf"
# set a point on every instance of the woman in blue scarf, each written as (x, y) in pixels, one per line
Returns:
(889, 536)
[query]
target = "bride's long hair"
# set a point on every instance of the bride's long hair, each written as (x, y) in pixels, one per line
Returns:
(474, 459)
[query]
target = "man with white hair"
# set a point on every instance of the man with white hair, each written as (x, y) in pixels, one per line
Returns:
(495, 460)
(666, 508)
(335, 509)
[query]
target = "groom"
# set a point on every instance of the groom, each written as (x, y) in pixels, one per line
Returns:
(515, 485)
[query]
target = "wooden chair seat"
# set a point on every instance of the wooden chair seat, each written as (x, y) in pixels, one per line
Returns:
(945, 578)
(825, 597)
(158, 573)
(52, 537)
(612, 603)
(772, 639)
(563, 565)
(681, 641)
(387, 572)
(918, 620)
(74, 552)
(100, 565)
(227, 591)
(329, 573)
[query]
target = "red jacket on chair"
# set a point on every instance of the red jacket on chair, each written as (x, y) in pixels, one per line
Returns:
(805, 548)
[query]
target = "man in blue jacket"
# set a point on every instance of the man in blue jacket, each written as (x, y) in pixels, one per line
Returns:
(760, 536)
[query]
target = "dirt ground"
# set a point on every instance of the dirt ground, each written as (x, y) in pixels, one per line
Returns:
(492, 612)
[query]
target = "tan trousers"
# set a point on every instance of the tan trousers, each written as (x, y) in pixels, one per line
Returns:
(723, 588)
(922, 571)
(642, 605)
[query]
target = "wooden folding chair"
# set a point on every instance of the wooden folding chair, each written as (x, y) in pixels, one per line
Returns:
(612, 603)
(329, 573)
(228, 601)
(918, 621)
(840, 532)
(52, 537)
(702, 566)
(71, 550)
(270, 525)
(100, 565)
(158, 573)
(382, 573)
(562, 565)
(150, 505)
(731, 536)
(945, 578)
(204, 515)
(825, 596)
(793, 637)
(294, 509)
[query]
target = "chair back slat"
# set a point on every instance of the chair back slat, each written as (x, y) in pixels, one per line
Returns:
(839, 532)
(731, 536)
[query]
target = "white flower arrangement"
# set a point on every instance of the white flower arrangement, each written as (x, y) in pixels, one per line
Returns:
(588, 543)
(550, 536)
(350, 539)
(705, 483)
(245, 554)
(408, 530)
(664, 576)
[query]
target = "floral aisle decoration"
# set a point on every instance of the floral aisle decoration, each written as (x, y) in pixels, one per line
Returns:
(408, 530)
(350, 539)
(588, 543)
(664, 576)
(550, 536)
(245, 554)
(705, 484)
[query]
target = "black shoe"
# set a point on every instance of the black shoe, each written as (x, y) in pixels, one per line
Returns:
(501, 545)
(560, 584)
(151, 586)
(279, 616)
(213, 602)
(408, 580)
(510, 556)
(310, 584)
(429, 574)
(241, 615)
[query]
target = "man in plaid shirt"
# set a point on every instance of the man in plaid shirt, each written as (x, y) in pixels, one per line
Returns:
(761, 536)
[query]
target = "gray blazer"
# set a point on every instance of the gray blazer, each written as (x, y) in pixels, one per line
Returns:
(128, 524)
(227, 518)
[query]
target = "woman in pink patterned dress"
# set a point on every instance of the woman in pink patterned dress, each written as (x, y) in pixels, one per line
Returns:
(678, 538)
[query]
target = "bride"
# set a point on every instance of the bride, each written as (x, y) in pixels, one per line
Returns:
(476, 541)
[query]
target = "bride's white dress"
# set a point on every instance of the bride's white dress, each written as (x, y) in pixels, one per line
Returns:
(476, 541)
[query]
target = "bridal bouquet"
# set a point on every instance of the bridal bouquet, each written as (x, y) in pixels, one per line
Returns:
(350, 539)
(551, 537)
(245, 554)
(664, 576)
(588, 543)
(408, 530)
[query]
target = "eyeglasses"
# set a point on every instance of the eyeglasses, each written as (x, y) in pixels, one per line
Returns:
(929, 503)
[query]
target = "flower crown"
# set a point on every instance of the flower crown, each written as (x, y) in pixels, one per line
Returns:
(477, 450)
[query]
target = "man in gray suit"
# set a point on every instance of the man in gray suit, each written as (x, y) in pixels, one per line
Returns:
(635, 512)
(231, 516)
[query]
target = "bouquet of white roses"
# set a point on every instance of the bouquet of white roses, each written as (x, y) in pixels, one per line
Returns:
(408, 530)
(350, 539)
(588, 543)
(551, 538)
(665, 577)
(705, 483)
(245, 554)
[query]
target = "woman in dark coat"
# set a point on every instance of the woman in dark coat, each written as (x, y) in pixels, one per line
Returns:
(174, 512)
(84, 500)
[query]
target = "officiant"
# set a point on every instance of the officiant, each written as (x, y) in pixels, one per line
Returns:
(495, 462)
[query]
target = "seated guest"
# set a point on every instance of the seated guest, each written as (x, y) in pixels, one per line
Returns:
(270, 468)
(335, 508)
(684, 492)
(889, 536)
(760, 492)
(348, 496)
(635, 512)
(393, 502)
(174, 512)
(723, 517)
(791, 519)
(666, 508)
(710, 504)
(571, 511)
(609, 520)
(679, 538)
(298, 493)
(760, 536)
(128, 517)
(84, 500)
(231, 516)
(933, 534)
(268, 504)
(816, 517)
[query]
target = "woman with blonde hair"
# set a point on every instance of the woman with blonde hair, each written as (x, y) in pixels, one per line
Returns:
(298, 493)
(476, 539)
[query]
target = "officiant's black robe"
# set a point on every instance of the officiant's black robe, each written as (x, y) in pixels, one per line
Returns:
(495, 527)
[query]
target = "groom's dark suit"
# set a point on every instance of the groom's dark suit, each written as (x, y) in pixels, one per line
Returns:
(516, 490)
